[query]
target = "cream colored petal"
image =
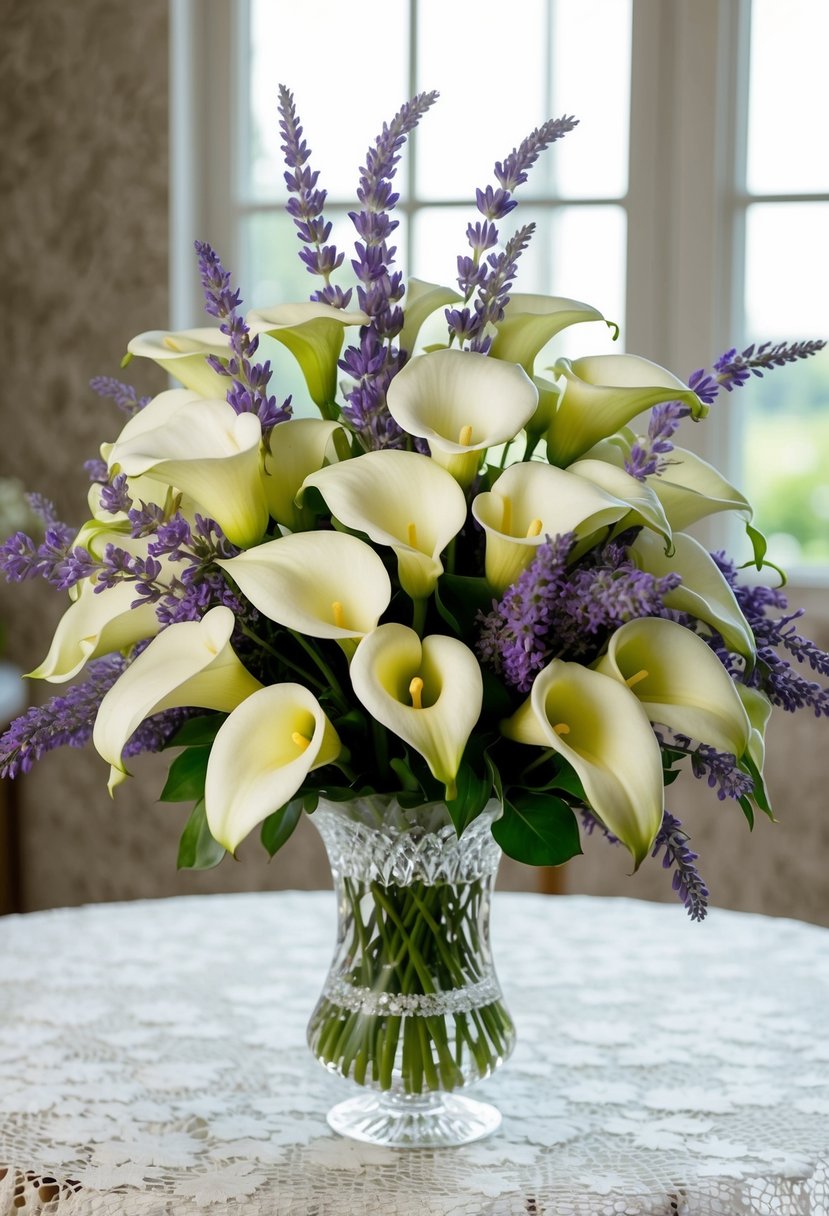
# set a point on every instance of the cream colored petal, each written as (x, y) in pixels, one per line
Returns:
(420, 301)
(382, 670)
(679, 681)
(604, 392)
(261, 756)
(531, 501)
(323, 584)
(691, 489)
(530, 321)
(400, 499)
(645, 507)
(549, 395)
(212, 453)
(313, 333)
(188, 664)
(703, 592)
(183, 354)
(297, 447)
(599, 727)
(759, 709)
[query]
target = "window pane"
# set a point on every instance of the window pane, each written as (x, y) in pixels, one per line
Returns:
(788, 97)
(590, 58)
(785, 423)
(345, 86)
(588, 262)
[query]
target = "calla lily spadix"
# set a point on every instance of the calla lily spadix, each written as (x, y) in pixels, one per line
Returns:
(604, 392)
(187, 664)
(530, 321)
(462, 403)
(703, 592)
(212, 453)
(298, 447)
(313, 333)
(323, 584)
(427, 693)
(531, 501)
(679, 681)
(422, 299)
(598, 725)
(645, 507)
(183, 354)
(400, 499)
(261, 756)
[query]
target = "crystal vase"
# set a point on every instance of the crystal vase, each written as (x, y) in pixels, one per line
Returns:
(411, 1010)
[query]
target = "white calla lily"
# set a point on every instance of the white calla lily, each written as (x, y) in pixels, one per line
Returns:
(530, 321)
(400, 499)
(531, 501)
(599, 727)
(759, 708)
(313, 333)
(213, 454)
(690, 489)
(261, 756)
(421, 300)
(462, 403)
(703, 592)
(183, 354)
(322, 584)
(604, 392)
(298, 447)
(549, 395)
(645, 507)
(191, 663)
(679, 681)
(427, 693)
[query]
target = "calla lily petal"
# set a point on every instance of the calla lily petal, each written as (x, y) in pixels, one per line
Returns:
(323, 584)
(530, 321)
(690, 489)
(422, 299)
(191, 663)
(679, 681)
(212, 453)
(599, 727)
(604, 392)
(462, 403)
(400, 499)
(298, 447)
(703, 591)
(428, 693)
(758, 707)
(183, 354)
(261, 756)
(549, 395)
(645, 507)
(313, 333)
(531, 501)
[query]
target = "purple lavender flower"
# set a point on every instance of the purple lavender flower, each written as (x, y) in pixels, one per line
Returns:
(734, 370)
(115, 497)
(493, 291)
(720, 770)
(647, 459)
(96, 470)
(124, 395)
(43, 508)
(54, 558)
(687, 881)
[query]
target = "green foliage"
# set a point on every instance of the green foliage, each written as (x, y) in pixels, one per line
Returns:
(186, 778)
(278, 827)
(538, 829)
(197, 849)
(196, 732)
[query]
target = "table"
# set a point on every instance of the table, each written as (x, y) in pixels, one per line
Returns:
(152, 1061)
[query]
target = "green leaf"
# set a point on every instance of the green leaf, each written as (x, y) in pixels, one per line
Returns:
(759, 794)
(748, 810)
(279, 826)
(196, 732)
(197, 849)
(187, 775)
(405, 775)
(495, 778)
(758, 544)
(538, 829)
(459, 598)
(474, 793)
(669, 775)
(568, 780)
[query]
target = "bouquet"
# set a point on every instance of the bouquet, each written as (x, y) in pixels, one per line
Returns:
(468, 578)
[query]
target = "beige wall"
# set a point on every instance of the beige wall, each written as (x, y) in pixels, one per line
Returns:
(84, 180)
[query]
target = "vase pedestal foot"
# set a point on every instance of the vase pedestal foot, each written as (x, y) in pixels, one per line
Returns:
(414, 1121)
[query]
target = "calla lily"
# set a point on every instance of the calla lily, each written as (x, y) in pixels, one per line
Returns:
(400, 499)
(462, 403)
(212, 453)
(679, 681)
(183, 354)
(645, 507)
(95, 624)
(428, 693)
(601, 394)
(549, 395)
(298, 447)
(313, 333)
(599, 727)
(323, 584)
(261, 756)
(531, 501)
(703, 591)
(758, 707)
(530, 321)
(691, 489)
(422, 299)
(191, 663)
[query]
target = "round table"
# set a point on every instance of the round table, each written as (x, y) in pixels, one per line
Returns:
(153, 1061)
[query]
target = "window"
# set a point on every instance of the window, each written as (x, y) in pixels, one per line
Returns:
(691, 204)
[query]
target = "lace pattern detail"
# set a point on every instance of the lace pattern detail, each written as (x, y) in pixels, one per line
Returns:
(153, 1063)
(427, 1005)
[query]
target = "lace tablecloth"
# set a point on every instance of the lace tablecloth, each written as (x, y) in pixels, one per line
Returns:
(153, 1062)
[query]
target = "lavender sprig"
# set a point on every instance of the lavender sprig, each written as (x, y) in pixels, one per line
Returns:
(493, 292)
(248, 392)
(687, 881)
(647, 456)
(124, 395)
(720, 770)
(306, 206)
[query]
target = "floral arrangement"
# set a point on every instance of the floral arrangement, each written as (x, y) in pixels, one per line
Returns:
(469, 578)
